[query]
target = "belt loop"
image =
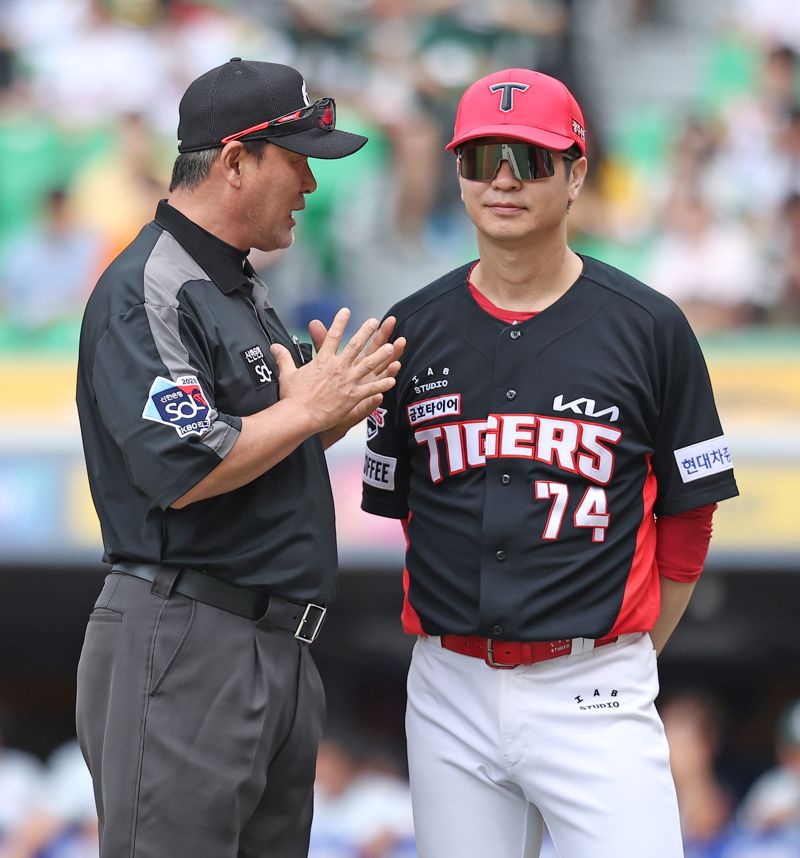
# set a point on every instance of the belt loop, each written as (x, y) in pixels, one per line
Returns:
(164, 582)
(527, 652)
(266, 619)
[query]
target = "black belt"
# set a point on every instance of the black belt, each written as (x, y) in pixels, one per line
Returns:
(302, 620)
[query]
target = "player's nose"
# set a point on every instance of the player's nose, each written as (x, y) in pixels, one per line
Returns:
(505, 177)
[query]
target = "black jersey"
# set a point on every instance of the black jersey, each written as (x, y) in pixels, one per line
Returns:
(174, 352)
(530, 459)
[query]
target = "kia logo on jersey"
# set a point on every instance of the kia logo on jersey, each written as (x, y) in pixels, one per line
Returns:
(507, 99)
(584, 405)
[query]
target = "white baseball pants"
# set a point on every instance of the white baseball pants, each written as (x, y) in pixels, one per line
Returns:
(575, 741)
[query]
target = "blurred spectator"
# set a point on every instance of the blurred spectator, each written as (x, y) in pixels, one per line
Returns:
(94, 65)
(361, 810)
(709, 268)
(47, 22)
(47, 274)
(692, 154)
(114, 194)
(62, 821)
(783, 260)
(773, 802)
(692, 722)
(6, 66)
(755, 166)
(771, 20)
(70, 805)
(21, 777)
(786, 153)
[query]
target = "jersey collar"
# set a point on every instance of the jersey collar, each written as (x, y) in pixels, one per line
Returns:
(225, 264)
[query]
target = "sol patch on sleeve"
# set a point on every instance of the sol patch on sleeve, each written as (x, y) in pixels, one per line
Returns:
(703, 459)
(180, 404)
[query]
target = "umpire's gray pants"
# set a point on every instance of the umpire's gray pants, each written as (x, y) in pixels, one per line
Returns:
(200, 729)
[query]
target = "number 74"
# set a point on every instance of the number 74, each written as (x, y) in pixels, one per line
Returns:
(592, 510)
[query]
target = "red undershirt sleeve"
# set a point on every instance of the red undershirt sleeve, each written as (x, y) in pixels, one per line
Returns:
(682, 543)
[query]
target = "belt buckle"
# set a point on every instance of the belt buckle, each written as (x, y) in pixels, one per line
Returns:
(317, 619)
(490, 658)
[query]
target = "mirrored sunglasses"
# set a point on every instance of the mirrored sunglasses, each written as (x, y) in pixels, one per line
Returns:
(479, 162)
(320, 114)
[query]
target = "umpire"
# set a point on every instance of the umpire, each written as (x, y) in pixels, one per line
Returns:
(199, 707)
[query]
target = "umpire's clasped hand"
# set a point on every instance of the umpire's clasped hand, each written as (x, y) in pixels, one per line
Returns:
(337, 387)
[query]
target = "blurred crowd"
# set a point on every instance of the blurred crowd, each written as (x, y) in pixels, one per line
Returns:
(363, 805)
(717, 821)
(726, 239)
(702, 202)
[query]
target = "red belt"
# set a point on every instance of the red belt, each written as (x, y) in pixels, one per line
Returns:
(507, 654)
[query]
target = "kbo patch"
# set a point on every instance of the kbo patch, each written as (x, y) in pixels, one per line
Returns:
(180, 404)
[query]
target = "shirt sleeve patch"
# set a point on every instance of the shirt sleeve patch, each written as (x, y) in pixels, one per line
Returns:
(379, 470)
(375, 422)
(703, 459)
(180, 404)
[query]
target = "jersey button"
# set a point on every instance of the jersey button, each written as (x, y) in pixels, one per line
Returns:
(505, 479)
(497, 631)
(515, 334)
(500, 555)
(511, 394)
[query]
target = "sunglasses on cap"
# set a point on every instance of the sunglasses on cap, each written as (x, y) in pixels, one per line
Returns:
(479, 162)
(320, 114)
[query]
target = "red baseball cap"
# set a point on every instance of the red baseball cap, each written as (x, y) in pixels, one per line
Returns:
(521, 104)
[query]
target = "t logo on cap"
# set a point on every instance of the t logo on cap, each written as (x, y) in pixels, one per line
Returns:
(507, 101)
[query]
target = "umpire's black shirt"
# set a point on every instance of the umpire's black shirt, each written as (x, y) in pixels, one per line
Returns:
(174, 351)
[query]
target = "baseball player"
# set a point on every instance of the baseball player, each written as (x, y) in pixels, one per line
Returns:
(554, 452)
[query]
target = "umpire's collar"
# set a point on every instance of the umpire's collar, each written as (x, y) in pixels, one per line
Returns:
(225, 264)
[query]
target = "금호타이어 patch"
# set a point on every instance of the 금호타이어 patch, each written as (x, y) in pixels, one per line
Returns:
(180, 404)
(379, 470)
(703, 459)
(448, 405)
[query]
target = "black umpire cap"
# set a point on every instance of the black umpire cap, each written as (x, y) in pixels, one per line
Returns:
(247, 100)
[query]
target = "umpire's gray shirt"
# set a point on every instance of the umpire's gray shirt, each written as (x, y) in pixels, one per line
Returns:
(174, 351)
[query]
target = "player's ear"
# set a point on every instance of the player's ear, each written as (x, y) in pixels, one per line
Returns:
(230, 159)
(577, 177)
